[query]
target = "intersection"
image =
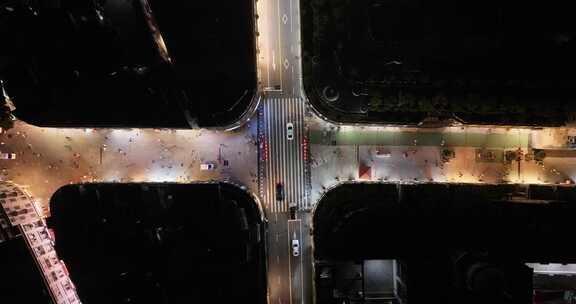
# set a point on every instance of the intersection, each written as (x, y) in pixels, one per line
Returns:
(260, 156)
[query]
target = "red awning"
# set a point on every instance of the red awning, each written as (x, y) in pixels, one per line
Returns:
(365, 172)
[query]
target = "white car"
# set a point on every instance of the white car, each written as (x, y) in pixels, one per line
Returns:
(295, 248)
(7, 155)
(382, 153)
(290, 131)
(207, 167)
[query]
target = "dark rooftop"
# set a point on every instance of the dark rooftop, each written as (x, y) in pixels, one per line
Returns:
(419, 220)
(160, 243)
(80, 64)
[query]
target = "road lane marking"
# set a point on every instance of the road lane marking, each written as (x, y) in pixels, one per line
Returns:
(288, 164)
(279, 40)
(294, 151)
(268, 72)
(299, 149)
(291, 18)
(299, 153)
(289, 146)
(289, 264)
(293, 144)
(286, 173)
(277, 154)
(266, 166)
(268, 161)
(301, 176)
(286, 151)
(290, 273)
(280, 147)
(301, 265)
(266, 40)
(277, 163)
(301, 161)
(284, 158)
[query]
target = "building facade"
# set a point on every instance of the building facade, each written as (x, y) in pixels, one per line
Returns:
(19, 216)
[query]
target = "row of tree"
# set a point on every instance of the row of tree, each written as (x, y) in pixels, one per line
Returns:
(6, 117)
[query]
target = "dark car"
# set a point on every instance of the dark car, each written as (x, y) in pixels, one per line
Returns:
(279, 192)
(292, 213)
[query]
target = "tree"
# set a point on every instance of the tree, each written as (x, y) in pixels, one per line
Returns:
(6, 118)
(375, 103)
(539, 155)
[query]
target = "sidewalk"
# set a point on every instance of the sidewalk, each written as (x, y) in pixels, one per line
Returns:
(408, 164)
(50, 158)
(407, 138)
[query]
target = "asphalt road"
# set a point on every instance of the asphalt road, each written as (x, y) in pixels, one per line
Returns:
(289, 276)
(296, 262)
(284, 165)
(50, 158)
(279, 44)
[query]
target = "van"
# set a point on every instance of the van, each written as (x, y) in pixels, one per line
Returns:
(207, 166)
(7, 155)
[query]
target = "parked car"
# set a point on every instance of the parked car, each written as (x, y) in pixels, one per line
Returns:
(207, 166)
(290, 131)
(571, 141)
(295, 248)
(279, 192)
(7, 155)
(382, 153)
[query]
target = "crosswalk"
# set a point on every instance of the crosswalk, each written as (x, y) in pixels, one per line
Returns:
(284, 161)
